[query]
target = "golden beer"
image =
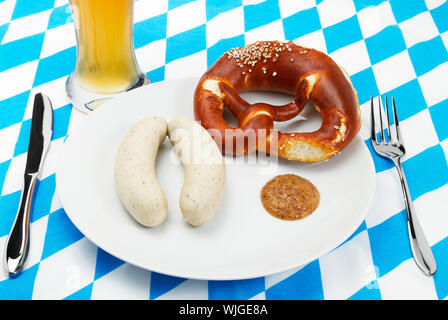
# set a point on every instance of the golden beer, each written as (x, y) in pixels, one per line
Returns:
(105, 62)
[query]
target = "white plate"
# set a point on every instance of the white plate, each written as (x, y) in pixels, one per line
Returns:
(242, 240)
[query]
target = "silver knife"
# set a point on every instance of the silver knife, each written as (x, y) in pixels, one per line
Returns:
(17, 244)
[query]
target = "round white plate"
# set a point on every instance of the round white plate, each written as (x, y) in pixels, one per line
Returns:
(242, 240)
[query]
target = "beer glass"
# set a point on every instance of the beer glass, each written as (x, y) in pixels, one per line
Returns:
(105, 63)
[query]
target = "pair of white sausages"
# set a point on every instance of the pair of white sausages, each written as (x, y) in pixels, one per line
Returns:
(203, 164)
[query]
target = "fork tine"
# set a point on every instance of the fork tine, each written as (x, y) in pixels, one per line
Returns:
(372, 118)
(397, 124)
(381, 119)
(388, 120)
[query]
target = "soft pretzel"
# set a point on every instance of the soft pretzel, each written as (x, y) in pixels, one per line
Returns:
(308, 74)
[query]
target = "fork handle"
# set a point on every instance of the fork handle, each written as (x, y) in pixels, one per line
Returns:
(419, 244)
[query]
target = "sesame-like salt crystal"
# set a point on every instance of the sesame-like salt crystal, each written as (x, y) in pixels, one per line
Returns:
(251, 54)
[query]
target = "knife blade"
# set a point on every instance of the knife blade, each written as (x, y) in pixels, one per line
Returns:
(17, 244)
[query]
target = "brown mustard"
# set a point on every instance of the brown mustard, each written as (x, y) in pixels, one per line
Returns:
(290, 197)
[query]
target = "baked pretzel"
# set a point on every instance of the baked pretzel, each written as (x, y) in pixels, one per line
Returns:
(308, 74)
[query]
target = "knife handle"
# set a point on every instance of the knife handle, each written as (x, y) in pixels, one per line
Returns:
(17, 244)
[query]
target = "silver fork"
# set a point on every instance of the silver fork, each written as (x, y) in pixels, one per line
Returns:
(393, 148)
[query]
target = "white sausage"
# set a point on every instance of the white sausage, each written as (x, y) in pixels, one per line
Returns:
(135, 177)
(204, 169)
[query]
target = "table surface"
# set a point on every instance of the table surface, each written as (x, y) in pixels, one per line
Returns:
(396, 47)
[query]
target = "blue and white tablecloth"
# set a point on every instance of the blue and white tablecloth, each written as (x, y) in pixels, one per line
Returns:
(396, 47)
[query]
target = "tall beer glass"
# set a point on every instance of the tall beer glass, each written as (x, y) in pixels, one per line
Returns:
(105, 64)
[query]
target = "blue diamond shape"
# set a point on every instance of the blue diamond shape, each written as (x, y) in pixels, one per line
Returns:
(409, 99)
(365, 85)
(185, 43)
(4, 166)
(60, 16)
(43, 197)
(19, 288)
(439, 15)
(305, 284)
(161, 284)
(238, 289)
(60, 233)
(423, 177)
(20, 51)
(440, 250)
(55, 66)
(13, 109)
(219, 48)
(439, 114)
(150, 30)
(61, 121)
(3, 29)
(385, 44)
(389, 242)
(105, 263)
(9, 204)
(301, 23)
(404, 10)
(361, 4)
(25, 7)
(24, 138)
(342, 34)
(156, 74)
(260, 14)
(427, 55)
(215, 7)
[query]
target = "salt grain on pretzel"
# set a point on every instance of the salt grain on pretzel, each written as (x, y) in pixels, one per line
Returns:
(308, 74)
